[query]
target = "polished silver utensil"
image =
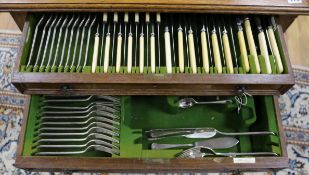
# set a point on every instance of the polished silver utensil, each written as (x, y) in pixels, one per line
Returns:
(34, 40)
(88, 137)
(47, 41)
(87, 110)
(82, 43)
(52, 44)
(85, 133)
(200, 152)
(215, 143)
(65, 41)
(72, 99)
(90, 142)
(95, 113)
(59, 126)
(198, 133)
(77, 41)
(38, 56)
(95, 147)
(88, 40)
(190, 102)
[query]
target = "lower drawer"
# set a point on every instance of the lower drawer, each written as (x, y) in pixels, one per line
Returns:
(57, 136)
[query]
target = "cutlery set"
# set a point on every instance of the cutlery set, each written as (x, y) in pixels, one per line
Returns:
(68, 125)
(203, 148)
(82, 125)
(154, 43)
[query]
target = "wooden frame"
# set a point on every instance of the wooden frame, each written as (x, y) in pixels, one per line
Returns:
(156, 84)
(72, 164)
(230, 6)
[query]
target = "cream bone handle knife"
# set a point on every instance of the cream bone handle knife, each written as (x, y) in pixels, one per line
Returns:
(251, 44)
(273, 26)
(263, 44)
(242, 45)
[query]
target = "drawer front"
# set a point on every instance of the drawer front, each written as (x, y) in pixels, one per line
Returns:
(139, 114)
(57, 58)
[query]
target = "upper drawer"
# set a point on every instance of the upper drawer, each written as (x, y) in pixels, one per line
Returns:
(155, 54)
(240, 6)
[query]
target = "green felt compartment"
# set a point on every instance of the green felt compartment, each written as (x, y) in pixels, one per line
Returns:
(141, 113)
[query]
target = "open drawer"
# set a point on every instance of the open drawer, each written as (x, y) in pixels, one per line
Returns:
(59, 55)
(131, 149)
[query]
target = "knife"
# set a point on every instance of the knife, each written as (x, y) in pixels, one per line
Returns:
(156, 134)
(215, 143)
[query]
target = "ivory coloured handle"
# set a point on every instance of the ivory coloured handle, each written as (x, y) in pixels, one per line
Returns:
(147, 17)
(243, 50)
(168, 55)
(264, 52)
(130, 41)
(275, 49)
(192, 52)
(95, 53)
(106, 54)
(181, 59)
(227, 53)
(115, 17)
(118, 56)
(126, 17)
(152, 54)
(136, 17)
(204, 51)
(105, 17)
(158, 17)
(252, 45)
(141, 54)
(216, 52)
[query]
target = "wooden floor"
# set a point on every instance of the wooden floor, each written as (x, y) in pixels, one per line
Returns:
(297, 37)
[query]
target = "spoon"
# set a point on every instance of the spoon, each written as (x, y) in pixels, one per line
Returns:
(200, 152)
(190, 102)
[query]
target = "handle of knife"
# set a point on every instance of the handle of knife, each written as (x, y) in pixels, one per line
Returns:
(264, 51)
(168, 55)
(141, 54)
(129, 65)
(275, 49)
(227, 53)
(106, 54)
(95, 53)
(118, 56)
(168, 146)
(181, 59)
(216, 52)
(164, 133)
(243, 50)
(251, 44)
(153, 54)
(192, 52)
(204, 51)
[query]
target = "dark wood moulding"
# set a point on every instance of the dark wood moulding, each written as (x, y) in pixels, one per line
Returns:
(222, 6)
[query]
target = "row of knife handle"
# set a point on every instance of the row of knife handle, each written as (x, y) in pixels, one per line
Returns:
(169, 48)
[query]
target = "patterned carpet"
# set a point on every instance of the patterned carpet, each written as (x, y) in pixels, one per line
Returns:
(294, 106)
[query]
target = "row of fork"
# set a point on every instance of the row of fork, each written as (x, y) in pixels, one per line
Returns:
(77, 125)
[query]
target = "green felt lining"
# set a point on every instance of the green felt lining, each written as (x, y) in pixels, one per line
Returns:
(141, 113)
